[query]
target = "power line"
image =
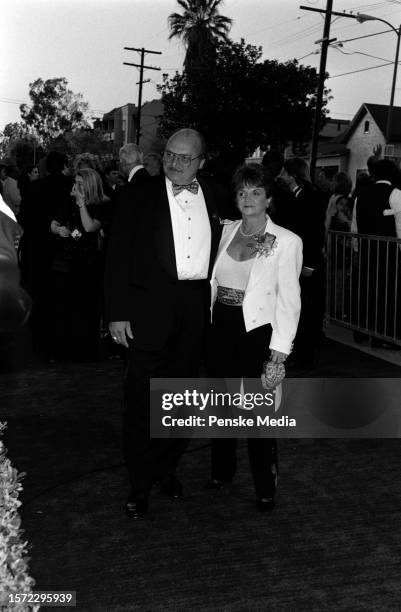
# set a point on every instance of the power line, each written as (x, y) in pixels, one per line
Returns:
(11, 101)
(361, 70)
(354, 52)
(365, 36)
(273, 27)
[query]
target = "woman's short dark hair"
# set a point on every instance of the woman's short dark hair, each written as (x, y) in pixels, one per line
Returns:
(252, 174)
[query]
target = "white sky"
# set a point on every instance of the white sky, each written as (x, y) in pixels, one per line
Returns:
(83, 41)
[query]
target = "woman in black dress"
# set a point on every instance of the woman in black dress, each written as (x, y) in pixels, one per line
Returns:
(74, 296)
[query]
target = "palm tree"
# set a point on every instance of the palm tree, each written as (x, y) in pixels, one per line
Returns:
(200, 27)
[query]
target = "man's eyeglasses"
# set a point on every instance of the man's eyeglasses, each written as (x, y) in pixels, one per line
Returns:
(182, 160)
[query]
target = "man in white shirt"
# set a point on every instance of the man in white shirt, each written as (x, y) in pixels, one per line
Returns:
(162, 248)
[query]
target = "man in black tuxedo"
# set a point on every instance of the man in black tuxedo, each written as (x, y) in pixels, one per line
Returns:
(378, 261)
(307, 220)
(162, 247)
(39, 204)
(131, 165)
(282, 211)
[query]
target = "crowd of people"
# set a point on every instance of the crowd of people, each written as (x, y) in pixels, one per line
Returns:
(66, 206)
(170, 245)
(65, 209)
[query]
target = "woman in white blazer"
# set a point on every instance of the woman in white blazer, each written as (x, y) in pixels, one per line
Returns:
(255, 307)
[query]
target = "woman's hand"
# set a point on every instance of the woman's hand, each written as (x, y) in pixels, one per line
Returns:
(59, 230)
(78, 195)
(63, 231)
(277, 357)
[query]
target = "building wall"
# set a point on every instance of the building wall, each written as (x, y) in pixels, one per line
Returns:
(150, 141)
(127, 124)
(340, 162)
(119, 127)
(361, 145)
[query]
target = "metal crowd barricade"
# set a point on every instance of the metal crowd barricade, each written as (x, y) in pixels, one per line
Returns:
(363, 278)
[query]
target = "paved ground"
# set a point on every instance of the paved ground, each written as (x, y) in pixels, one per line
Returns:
(64, 432)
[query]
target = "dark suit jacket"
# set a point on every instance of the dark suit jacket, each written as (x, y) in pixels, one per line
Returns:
(140, 175)
(309, 224)
(369, 211)
(141, 274)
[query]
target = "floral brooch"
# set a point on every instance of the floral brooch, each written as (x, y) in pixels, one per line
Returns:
(76, 234)
(263, 245)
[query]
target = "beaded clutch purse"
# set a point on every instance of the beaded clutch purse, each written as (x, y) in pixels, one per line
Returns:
(273, 374)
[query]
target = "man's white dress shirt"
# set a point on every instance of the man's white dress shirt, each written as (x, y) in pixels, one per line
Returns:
(395, 208)
(191, 231)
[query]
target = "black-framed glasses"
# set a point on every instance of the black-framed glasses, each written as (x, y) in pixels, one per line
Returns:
(183, 160)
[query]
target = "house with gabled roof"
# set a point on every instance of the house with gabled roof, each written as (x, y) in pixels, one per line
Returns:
(332, 154)
(366, 131)
(346, 145)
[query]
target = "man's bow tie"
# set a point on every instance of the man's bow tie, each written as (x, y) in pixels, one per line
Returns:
(192, 187)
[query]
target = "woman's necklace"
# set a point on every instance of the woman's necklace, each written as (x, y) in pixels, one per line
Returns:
(252, 233)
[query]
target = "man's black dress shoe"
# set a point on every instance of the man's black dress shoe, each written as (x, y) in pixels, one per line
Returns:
(265, 504)
(136, 508)
(171, 486)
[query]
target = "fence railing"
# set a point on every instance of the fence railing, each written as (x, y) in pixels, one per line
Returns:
(363, 284)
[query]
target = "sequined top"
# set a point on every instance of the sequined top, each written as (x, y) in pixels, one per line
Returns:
(232, 278)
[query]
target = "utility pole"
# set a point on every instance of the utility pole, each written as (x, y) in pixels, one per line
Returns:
(141, 67)
(320, 88)
(361, 18)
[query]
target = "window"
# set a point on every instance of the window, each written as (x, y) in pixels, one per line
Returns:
(366, 127)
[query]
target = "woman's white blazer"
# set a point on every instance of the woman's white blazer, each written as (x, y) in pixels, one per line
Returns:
(272, 294)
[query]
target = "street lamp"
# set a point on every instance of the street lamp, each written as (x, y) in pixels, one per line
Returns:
(361, 17)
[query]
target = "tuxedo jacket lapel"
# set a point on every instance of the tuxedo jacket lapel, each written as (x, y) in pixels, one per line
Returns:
(214, 221)
(163, 232)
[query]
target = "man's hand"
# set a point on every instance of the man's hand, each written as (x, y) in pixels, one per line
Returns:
(120, 331)
(277, 357)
